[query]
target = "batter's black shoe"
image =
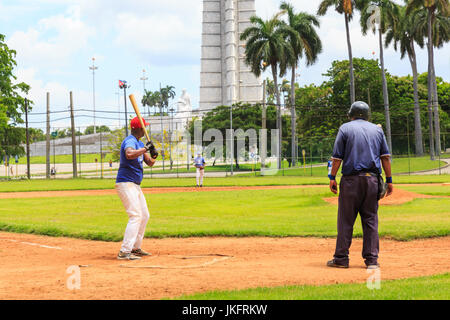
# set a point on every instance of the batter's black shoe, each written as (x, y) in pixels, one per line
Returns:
(140, 252)
(334, 264)
(127, 256)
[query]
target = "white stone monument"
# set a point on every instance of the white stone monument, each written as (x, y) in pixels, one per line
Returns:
(224, 77)
(184, 111)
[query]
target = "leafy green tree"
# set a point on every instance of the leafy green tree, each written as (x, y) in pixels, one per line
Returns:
(266, 46)
(36, 135)
(387, 14)
(404, 37)
(321, 110)
(319, 118)
(167, 93)
(368, 83)
(98, 129)
(245, 116)
(12, 103)
(151, 99)
(440, 34)
(436, 37)
(11, 139)
(115, 140)
(284, 88)
(67, 132)
(306, 43)
(343, 7)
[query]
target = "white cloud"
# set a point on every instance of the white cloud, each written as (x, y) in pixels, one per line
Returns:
(163, 38)
(53, 41)
(59, 100)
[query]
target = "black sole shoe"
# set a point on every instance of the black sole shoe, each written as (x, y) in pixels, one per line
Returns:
(333, 264)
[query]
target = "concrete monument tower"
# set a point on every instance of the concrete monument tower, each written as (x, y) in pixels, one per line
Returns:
(224, 77)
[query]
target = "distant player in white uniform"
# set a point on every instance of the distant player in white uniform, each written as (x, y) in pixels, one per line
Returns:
(199, 163)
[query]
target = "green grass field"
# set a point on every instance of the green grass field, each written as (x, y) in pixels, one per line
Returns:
(274, 213)
(237, 180)
(399, 165)
(435, 287)
(66, 158)
(277, 213)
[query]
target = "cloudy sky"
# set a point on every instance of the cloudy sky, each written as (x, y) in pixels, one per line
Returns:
(55, 41)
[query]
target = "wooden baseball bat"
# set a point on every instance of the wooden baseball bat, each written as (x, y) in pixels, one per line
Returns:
(138, 113)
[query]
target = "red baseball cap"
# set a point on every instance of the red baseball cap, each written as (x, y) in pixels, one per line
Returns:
(135, 123)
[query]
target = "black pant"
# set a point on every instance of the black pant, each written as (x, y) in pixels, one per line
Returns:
(358, 193)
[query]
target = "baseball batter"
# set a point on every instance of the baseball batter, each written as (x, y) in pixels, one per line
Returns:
(133, 153)
(199, 163)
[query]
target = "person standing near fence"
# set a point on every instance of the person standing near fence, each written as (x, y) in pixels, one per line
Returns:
(362, 149)
(129, 177)
(199, 163)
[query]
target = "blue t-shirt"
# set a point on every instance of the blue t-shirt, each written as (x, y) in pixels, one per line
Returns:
(199, 162)
(360, 144)
(130, 170)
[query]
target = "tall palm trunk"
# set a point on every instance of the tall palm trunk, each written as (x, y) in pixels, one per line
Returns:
(417, 121)
(437, 128)
(277, 94)
(385, 94)
(430, 87)
(350, 59)
(293, 120)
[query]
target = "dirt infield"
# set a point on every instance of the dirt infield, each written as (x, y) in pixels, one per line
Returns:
(35, 267)
(398, 197)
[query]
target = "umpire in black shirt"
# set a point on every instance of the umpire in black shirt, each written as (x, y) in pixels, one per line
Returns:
(362, 149)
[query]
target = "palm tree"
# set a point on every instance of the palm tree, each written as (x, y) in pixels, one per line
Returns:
(386, 14)
(266, 46)
(404, 35)
(166, 94)
(433, 8)
(440, 35)
(306, 43)
(343, 7)
(151, 99)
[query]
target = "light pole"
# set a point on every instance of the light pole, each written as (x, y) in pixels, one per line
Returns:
(123, 85)
(93, 68)
(162, 128)
(231, 130)
(143, 78)
(118, 106)
(170, 136)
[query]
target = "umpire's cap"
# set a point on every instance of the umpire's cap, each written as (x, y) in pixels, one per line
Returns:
(360, 110)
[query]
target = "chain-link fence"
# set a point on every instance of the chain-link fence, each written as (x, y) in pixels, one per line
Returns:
(97, 157)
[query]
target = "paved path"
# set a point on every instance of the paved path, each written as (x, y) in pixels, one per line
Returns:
(442, 170)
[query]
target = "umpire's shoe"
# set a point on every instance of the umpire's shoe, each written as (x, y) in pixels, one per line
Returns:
(334, 264)
(127, 256)
(140, 252)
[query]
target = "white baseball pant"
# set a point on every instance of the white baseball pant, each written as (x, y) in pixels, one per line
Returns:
(136, 207)
(199, 176)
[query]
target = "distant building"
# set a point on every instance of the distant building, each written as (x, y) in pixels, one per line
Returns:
(224, 77)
